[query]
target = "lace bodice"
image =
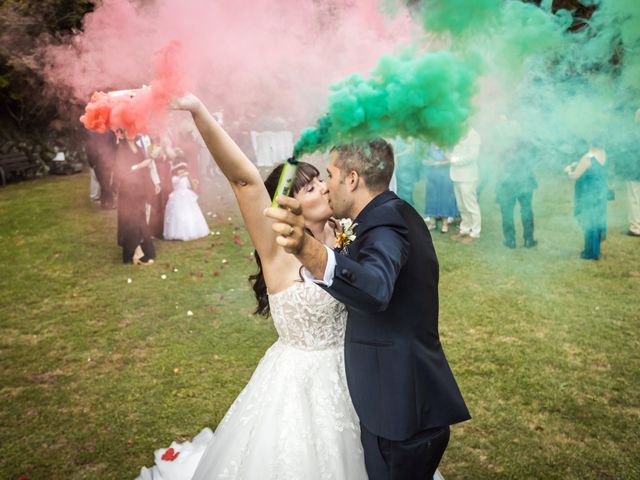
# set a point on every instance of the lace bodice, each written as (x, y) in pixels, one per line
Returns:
(307, 317)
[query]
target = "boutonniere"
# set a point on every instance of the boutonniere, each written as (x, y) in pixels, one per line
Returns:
(346, 236)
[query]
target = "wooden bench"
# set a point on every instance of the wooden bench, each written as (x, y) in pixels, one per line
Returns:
(15, 163)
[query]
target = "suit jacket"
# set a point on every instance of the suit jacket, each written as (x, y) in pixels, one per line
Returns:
(398, 376)
(516, 176)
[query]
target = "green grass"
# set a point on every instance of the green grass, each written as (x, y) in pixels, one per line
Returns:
(96, 372)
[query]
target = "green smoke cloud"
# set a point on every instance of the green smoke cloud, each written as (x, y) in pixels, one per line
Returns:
(457, 17)
(561, 80)
(424, 96)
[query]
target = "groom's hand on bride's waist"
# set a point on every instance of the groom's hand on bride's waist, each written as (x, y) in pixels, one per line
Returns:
(289, 225)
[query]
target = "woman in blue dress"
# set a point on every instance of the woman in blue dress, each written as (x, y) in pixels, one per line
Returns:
(591, 190)
(440, 200)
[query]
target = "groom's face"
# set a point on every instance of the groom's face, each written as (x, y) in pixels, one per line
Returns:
(339, 195)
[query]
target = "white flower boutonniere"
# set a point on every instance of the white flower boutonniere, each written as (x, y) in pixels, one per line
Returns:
(346, 236)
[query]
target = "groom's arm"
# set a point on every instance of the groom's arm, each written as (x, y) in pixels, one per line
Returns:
(366, 284)
(314, 256)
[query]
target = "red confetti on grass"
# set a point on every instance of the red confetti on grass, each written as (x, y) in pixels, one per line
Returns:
(238, 241)
(170, 455)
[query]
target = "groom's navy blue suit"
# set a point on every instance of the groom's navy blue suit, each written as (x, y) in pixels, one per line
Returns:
(399, 379)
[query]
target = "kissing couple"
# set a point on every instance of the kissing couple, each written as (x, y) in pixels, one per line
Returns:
(357, 385)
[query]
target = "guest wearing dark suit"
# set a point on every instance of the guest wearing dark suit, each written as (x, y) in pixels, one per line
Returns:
(132, 184)
(516, 183)
(101, 155)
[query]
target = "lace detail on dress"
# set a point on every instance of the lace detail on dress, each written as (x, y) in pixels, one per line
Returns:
(307, 317)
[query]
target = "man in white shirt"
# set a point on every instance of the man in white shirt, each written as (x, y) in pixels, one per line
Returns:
(464, 174)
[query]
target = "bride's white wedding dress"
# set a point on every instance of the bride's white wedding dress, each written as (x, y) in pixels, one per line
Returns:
(294, 419)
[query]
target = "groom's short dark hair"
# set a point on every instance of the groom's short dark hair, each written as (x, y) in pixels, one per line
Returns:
(373, 161)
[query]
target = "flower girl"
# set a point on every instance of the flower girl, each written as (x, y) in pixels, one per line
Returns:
(183, 219)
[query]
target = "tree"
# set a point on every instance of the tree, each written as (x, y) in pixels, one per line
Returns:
(26, 113)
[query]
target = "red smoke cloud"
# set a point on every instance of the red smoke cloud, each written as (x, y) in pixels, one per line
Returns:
(143, 110)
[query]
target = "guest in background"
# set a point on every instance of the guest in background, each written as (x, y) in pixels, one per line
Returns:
(440, 199)
(188, 153)
(163, 154)
(132, 180)
(627, 166)
(516, 183)
(407, 168)
(464, 174)
(183, 218)
(101, 154)
(591, 192)
(94, 187)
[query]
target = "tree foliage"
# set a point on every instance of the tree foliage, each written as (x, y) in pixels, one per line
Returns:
(26, 113)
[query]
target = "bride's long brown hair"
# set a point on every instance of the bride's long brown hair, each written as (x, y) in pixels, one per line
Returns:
(306, 173)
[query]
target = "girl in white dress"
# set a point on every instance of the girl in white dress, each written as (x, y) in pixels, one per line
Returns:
(183, 219)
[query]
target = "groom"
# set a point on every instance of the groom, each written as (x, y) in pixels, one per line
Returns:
(399, 379)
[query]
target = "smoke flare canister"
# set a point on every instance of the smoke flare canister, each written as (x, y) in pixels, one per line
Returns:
(131, 93)
(287, 176)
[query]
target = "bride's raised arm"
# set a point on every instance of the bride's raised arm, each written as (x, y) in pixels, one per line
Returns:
(242, 174)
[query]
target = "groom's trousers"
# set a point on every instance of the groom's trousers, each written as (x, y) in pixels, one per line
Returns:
(415, 458)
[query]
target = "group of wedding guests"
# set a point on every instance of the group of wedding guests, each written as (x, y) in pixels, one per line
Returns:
(452, 188)
(153, 181)
(452, 182)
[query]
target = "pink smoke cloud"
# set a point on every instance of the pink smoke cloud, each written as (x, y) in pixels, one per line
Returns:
(141, 110)
(260, 62)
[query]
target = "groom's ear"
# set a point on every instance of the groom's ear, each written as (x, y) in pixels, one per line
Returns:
(353, 180)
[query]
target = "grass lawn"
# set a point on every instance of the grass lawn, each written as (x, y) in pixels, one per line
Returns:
(96, 372)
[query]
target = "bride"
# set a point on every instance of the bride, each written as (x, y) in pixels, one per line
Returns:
(294, 419)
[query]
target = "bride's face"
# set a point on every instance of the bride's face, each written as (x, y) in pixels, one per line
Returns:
(314, 201)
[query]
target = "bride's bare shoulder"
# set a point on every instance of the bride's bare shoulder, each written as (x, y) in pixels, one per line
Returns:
(281, 272)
